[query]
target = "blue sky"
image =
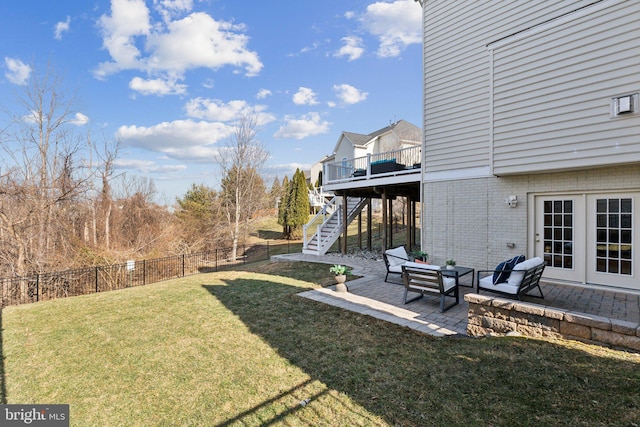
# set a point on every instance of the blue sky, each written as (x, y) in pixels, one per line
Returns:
(168, 77)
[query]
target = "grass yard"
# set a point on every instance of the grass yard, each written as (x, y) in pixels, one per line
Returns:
(241, 348)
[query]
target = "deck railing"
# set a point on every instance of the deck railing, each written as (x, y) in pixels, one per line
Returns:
(400, 161)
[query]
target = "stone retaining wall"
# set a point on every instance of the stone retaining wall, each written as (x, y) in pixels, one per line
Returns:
(490, 315)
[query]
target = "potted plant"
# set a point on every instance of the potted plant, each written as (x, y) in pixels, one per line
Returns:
(340, 272)
(450, 264)
(420, 255)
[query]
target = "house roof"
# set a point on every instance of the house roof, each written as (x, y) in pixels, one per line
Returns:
(405, 131)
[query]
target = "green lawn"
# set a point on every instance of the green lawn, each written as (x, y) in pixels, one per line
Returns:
(241, 348)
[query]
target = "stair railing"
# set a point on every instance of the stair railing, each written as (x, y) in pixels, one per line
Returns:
(324, 242)
(325, 213)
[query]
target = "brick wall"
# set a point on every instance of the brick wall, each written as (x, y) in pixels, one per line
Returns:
(498, 316)
(468, 220)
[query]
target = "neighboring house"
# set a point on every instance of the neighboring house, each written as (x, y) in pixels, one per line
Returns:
(316, 169)
(532, 136)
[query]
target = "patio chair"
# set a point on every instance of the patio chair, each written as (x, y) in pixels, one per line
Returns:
(427, 279)
(515, 281)
(393, 260)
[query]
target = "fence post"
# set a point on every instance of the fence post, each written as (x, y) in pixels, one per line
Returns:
(97, 288)
(37, 287)
(182, 265)
(216, 259)
(144, 272)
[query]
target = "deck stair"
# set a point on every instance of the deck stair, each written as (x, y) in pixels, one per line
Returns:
(326, 226)
(318, 197)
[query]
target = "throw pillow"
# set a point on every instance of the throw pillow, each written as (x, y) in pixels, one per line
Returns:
(499, 274)
(503, 270)
(516, 260)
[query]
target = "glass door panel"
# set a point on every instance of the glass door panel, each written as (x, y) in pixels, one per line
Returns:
(613, 256)
(559, 231)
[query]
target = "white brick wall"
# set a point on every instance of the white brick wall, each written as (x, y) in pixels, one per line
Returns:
(469, 221)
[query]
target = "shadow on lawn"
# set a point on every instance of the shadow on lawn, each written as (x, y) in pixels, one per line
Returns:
(411, 379)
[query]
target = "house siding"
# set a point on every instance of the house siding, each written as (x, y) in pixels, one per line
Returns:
(527, 116)
(457, 73)
(552, 92)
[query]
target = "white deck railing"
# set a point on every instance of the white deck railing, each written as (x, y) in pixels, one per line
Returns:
(313, 227)
(395, 162)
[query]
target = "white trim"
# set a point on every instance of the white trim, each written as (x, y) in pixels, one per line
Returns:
(455, 174)
(491, 116)
(561, 20)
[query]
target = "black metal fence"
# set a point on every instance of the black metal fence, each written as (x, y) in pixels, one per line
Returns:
(47, 286)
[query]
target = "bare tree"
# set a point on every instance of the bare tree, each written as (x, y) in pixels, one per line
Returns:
(240, 162)
(42, 171)
(102, 203)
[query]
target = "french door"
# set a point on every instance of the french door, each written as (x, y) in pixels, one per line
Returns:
(590, 238)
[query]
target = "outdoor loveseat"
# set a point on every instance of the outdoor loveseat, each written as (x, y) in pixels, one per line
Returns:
(513, 278)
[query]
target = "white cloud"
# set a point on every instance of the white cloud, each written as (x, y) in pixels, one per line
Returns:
(303, 126)
(18, 72)
(396, 25)
(217, 110)
(129, 19)
(263, 93)
(79, 120)
(171, 8)
(174, 46)
(61, 27)
(147, 166)
(200, 41)
(180, 139)
(157, 86)
(304, 96)
(352, 48)
(315, 45)
(349, 94)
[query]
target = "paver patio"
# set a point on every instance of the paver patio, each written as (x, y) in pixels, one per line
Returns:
(372, 296)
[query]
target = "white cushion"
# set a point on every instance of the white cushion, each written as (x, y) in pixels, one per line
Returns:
(448, 283)
(423, 266)
(395, 268)
(398, 256)
(487, 283)
(518, 270)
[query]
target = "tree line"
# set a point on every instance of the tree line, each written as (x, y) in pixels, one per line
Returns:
(64, 204)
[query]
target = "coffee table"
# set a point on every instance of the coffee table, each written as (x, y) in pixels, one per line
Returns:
(458, 272)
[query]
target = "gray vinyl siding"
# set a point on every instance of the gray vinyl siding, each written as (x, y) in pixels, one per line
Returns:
(457, 84)
(553, 91)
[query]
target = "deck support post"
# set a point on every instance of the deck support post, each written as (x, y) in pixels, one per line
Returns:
(345, 225)
(369, 224)
(384, 220)
(390, 218)
(409, 229)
